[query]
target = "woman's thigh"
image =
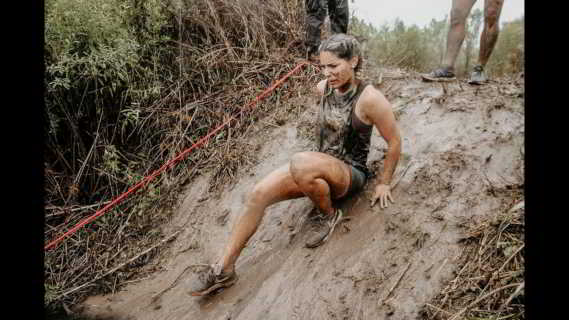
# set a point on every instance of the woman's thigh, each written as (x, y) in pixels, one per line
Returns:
(277, 186)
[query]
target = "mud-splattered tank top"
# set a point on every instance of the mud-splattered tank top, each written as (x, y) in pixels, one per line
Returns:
(342, 134)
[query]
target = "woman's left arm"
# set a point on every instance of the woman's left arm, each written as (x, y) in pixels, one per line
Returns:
(378, 111)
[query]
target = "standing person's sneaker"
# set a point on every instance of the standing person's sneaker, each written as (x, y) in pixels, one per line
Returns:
(208, 280)
(322, 234)
(440, 74)
(478, 76)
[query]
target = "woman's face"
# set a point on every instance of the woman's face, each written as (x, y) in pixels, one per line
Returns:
(338, 71)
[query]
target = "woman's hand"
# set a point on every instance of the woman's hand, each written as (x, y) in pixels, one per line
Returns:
(383, 193)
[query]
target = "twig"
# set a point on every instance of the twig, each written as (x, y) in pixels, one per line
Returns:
(440, 268)
(398, 179)
(427, 110)
(518, 206)
(439, 236)
(159, 294)
(405, 104)
(502, 267)
(438, 309)
(382, 301)
(515, 294)
(458, 314)
(64, 210)
(119, 266)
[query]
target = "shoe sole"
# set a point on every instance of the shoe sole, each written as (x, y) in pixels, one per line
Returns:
(213, 288)
(429, 79)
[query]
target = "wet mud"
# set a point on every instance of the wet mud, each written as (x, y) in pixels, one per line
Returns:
(459, 142)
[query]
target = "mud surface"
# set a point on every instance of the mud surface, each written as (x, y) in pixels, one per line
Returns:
(460, 142)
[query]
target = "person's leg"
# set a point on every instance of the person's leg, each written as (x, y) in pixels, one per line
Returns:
(316, 175)
(315, 14)
(339, 15)
(277, 186)
(458, 15)
(456, 33)
(489, 36)
(492, 10)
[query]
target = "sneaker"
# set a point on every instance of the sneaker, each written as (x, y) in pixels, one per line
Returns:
(478, 76)
(322, 234)
(208, 280)
(440, 74)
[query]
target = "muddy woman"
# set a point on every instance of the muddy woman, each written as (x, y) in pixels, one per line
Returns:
(349, 109)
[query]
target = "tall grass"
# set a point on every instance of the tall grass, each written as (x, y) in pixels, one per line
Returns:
(130, 84)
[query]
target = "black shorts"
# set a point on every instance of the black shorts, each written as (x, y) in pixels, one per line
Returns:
(357, 182)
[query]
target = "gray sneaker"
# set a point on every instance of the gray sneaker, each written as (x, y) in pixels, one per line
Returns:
(478, 76)
(207, 281)
(440, 74)
(321, 235)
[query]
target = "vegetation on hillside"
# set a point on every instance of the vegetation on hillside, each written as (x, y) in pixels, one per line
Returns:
(129, 85)
(423, 49)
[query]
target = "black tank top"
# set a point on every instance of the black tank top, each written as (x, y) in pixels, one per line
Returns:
(342, 134)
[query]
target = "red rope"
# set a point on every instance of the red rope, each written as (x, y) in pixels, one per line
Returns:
(170, 163)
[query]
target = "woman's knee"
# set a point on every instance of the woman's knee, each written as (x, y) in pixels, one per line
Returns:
(302, 167)
(492, 14)
(458, 17)
(258, 195)
(491, 21)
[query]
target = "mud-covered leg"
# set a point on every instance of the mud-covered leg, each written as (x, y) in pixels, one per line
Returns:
(277, 186)
(489, 36)
(492, 10)
(458, 14)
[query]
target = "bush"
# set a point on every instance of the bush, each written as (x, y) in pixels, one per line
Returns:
(129, 85)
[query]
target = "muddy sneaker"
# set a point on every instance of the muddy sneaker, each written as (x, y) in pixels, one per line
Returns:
(478, 76)
(322, 234)
(440, 74)
(208, 280)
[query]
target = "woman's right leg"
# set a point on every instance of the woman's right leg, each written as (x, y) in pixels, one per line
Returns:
(275, 187)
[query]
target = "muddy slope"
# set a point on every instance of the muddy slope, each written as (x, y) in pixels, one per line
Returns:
(460, 142)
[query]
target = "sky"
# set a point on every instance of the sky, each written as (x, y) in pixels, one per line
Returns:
(420, 12)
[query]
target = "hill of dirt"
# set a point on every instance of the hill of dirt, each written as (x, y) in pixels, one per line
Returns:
(460, 144)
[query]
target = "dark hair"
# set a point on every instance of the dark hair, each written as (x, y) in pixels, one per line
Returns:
(344, 46)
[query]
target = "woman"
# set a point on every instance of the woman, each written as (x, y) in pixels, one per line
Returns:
(349, 109)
